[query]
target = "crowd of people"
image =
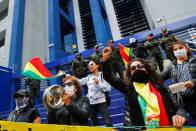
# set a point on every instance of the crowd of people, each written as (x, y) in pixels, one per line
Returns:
(148, 101)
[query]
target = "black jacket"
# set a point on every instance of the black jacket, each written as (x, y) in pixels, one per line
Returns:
(28, 114)
(170, 72)
(77, 113)
(136, 119)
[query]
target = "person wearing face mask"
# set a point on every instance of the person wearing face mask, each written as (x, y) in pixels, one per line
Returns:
(166, 43)
(76, 108)
(152, 46)
(183, 69)
(79, 66)
(137, 48)
(117, 62)
(24, 111)
(97, 87)
(149, 103)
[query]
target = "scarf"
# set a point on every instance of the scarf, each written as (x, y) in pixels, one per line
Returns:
(151, 104)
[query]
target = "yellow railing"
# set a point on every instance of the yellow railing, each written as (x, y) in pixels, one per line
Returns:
(15, 126)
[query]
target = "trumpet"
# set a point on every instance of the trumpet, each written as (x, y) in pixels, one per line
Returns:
(53, 97)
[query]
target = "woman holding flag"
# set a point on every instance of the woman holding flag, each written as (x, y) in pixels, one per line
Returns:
(149, 103)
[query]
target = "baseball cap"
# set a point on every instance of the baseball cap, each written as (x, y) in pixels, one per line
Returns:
(110, 41)
(151, 34)
(96, 46)
(21, 92)
(78, 54)
(164, 29)
(132, 40)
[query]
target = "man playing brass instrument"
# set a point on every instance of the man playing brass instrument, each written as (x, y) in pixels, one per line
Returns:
(75, 108)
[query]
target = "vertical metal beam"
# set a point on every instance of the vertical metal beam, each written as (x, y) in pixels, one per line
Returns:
(71, 9)
(98, 21)
(16, 44)
(15, 56)
(54, 33)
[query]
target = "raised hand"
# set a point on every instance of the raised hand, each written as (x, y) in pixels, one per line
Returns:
(106, 54)
(66, 99)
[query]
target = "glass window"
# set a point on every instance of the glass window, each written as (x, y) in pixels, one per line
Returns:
(2, 38)
(4, 9)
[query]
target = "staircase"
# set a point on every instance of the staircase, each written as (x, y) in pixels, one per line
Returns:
(116, 109)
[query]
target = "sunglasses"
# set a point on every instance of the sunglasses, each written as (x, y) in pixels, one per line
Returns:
(90, 65)
(19, 96)
(139, 66)
(68, 84)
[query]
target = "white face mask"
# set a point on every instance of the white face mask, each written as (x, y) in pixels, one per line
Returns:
(180, 53)
(69, 90)
(21, 103)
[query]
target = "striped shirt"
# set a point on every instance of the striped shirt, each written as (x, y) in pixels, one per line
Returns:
(183, 75)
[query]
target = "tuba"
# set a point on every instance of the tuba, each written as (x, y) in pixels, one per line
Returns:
(53, 97)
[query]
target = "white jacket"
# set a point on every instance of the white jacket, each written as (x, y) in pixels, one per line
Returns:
(96, 92)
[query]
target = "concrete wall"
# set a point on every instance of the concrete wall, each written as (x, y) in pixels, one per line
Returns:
(6, 24)
(162, 12)
(35, 38)
(78, 26)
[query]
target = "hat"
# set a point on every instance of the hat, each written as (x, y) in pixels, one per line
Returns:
(21, 92)
(151, 34)
(132, 40)
(78, 54)
(164, 29)
(96, 46)
(110, 41)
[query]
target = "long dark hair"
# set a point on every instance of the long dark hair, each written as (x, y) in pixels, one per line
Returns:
(154, 76)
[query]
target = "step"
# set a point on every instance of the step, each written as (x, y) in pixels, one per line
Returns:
(117, 102)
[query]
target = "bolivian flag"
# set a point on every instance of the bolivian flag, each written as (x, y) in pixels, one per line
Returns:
(152, 105)
(126, 54)
(36, 69)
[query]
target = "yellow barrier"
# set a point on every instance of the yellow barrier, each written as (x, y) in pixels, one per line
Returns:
(172, 129)
(14, 126)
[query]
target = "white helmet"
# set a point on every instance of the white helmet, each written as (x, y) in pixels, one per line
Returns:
(132, 40)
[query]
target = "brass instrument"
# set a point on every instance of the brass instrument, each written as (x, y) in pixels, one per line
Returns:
(53, 97)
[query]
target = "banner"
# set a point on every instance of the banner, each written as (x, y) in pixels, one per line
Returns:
(19, 126)
(173, 129)
(16, 126)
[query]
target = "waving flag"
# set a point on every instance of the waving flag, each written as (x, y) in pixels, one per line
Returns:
(36, 69)
(126, 54)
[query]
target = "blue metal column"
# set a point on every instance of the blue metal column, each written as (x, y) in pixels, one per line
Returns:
(74, 38)
(15, 56)
(16, 44)
(98, 21)
(54, 33)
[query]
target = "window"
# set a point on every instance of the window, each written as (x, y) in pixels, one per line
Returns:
(64, 4)
(2, 38)
(3, 9)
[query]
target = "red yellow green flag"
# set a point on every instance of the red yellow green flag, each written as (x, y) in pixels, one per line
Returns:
(153, 108)
(126, 54)
(36, 69)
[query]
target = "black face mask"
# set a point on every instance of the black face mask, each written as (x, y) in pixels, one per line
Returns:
(134, 45)
(140, 76)
(78, 57)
